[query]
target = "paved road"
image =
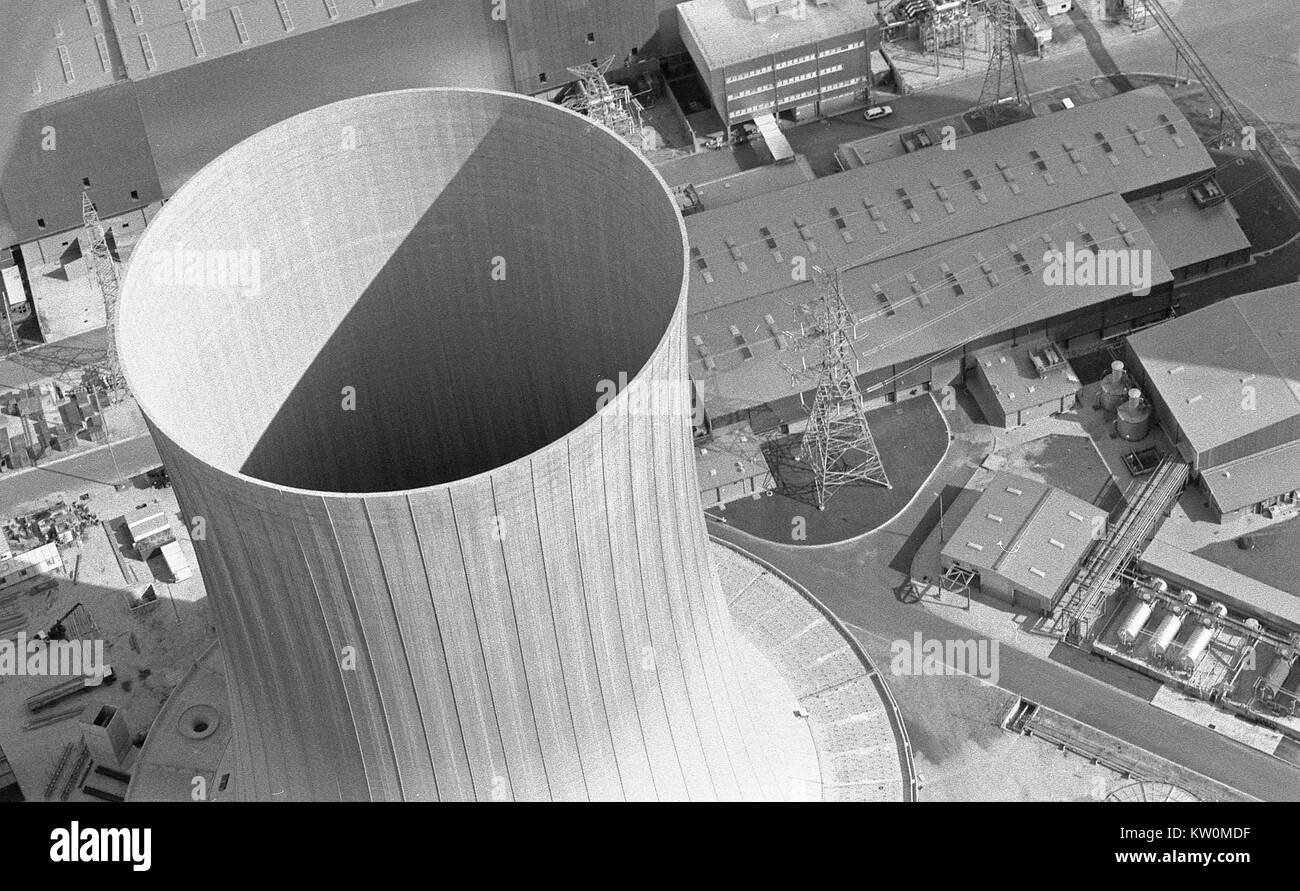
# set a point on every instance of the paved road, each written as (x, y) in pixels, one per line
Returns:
(856, 583)
(76, 473)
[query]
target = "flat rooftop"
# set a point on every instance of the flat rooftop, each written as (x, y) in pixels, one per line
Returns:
(1241, 593)
(906, 305)
(731, 456)
(1186, 234)
(1028, 532)
(1015, 381)
(1201, 362)
(726, 33)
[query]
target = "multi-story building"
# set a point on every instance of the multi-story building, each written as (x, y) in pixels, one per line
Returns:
(791, 58)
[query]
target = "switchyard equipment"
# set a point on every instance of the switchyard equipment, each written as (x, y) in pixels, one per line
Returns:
(611, 104)
(523, 571)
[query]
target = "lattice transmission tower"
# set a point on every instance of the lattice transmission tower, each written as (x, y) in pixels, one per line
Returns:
(611, 104)
(102, 264)
(838, 444)
(1004, 96)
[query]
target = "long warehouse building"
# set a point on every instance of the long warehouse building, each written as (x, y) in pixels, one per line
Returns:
(942, 254)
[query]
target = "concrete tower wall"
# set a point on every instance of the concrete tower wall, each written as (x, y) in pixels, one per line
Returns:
(469, 583)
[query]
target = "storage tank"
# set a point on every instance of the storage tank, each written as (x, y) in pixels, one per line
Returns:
(1114, 387)
(1201, 637)
(1167, 630)
(1133, 418)
(1137, 617)
(1276, 676)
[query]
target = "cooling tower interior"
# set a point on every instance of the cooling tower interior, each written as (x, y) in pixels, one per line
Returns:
(471, 290)
(439, 569)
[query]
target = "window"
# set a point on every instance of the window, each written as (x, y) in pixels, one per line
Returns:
(40, 223)
(135, 196)
(591, 36)
(635, 50)
(541, 78)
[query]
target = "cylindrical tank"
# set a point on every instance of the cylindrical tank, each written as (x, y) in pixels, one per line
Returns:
(1168, 628)
(1114, 387)
(1201, 637)
(1133, 418)
(1275, 677)
(418, 361)
(1138, 613)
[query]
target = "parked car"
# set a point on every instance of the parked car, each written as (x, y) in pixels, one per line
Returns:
(876, 112)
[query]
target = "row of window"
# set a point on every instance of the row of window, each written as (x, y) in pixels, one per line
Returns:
(786, 63)
(785, 82)
(767, 105)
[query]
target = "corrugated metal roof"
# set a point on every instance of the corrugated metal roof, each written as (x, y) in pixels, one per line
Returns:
(1186, 234)
(1026, 531)
(922, 313)
(1250, 480)
(930, 196)
(1202, 364)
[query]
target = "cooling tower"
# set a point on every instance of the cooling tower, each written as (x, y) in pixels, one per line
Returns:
(371, 343)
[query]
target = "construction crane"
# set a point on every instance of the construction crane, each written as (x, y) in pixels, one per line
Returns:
(611, 104)
(1004, 97)
(837, 444)
(100, 258)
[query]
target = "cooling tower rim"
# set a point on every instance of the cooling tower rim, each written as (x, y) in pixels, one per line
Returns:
(178, 202)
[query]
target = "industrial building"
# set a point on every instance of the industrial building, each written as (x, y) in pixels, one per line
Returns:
(1224, 385)
(731, 465)
(1023, 542)
(1016, 385)
(16, 568)
(942, 254)
(759, 59)
(507, 593)
(137, 94)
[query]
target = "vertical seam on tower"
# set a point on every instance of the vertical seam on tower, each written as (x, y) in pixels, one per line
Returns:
(591, 635)
(680, 484)
(622, 628)
(351, 599)
(415, 693)
(672, 621)
(555, 631)
(311, 577)
(487, 676)
(523, 663)
(636, 548)
(442, 645)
